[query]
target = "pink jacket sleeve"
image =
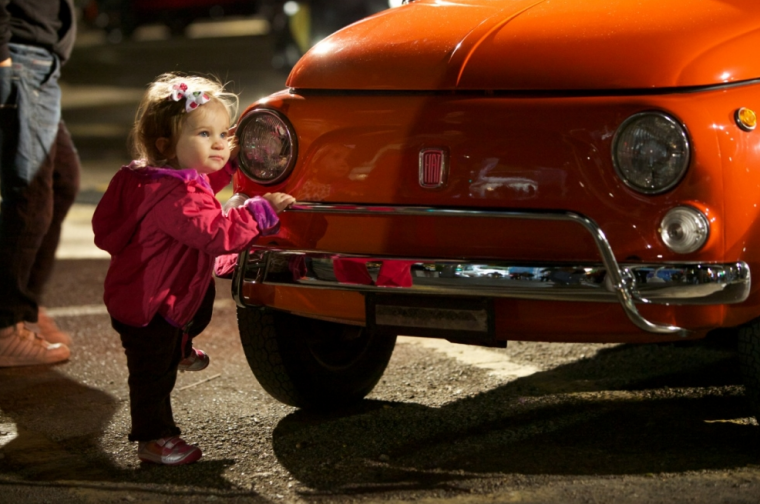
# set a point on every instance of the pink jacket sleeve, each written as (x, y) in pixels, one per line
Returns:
(195, 218)
(220, 179)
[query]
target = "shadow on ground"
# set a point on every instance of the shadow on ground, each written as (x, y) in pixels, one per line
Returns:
(50, 432)
(630, 410)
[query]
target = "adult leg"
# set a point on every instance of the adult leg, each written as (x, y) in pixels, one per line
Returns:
(30, 110)
(65, 185)
(28, 127)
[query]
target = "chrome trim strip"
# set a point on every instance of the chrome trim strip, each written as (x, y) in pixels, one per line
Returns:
(528, 93)
(238, 279)
(676, 284)
(621, 282)
(255, 261)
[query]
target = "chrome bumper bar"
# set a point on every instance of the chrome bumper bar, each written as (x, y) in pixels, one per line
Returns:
(606, 281)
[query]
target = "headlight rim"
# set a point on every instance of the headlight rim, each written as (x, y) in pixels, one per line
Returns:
(687, 144)
(291, 135)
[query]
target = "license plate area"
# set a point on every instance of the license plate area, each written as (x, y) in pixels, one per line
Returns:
(458, 319)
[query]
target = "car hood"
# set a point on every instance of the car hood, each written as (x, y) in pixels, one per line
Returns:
(539, 45)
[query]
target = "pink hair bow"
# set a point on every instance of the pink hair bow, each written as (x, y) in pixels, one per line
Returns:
(193, 99)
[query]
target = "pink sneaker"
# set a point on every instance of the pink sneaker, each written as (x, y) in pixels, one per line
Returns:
(196, 361)
(168, 451)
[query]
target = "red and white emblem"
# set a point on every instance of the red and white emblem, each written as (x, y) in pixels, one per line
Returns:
(434, 168)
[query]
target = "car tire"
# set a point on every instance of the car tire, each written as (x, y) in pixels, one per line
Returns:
(310, 363)
(749, 362)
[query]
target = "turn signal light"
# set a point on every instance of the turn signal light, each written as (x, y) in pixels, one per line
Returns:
(746, 119)
(684, 229)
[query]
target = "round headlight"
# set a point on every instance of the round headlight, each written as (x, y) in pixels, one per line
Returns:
(267, 146)
(651, 152)
(684, 229)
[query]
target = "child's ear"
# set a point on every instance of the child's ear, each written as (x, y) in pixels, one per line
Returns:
(164, 146)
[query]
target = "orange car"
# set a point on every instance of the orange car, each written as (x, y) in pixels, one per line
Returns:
(494, 170)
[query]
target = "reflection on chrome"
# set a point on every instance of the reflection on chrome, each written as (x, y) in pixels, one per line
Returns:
(688, 283)
(678, 284)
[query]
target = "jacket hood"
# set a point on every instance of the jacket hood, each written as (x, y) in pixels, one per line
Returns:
(539, 45)
(131, 195)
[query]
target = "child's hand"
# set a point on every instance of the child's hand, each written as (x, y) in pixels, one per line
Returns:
(280, 201)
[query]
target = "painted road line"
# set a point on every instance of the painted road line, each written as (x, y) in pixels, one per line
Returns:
(8, 432)
(77, 238)
(77, 311)
(495, 363)
(100, 309)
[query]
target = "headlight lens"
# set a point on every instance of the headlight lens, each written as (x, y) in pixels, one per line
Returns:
(651, 152)
(684, 229)
(267, 146)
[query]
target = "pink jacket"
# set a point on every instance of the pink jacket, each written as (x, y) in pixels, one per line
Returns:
(163, 228)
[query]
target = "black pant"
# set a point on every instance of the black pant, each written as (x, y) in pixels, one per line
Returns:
(153, 353)
(30, 228)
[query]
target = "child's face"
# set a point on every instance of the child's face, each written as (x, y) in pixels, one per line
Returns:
(202, 143)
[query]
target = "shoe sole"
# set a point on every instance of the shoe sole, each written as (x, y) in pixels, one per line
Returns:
(14, 362)
(191, 457)
(190, 368)
(182, 369)
(56, 338)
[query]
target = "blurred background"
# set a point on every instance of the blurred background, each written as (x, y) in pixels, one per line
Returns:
(123, 45)
(294, 26)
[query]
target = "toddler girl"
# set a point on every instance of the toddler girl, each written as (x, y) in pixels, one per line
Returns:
(163, 227)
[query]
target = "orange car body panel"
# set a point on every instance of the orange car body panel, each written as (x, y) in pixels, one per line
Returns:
(539, 45)
(525, 96)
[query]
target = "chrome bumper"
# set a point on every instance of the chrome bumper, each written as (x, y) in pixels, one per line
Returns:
(605, 281)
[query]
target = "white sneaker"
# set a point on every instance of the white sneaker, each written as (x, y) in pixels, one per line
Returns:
(21, 347)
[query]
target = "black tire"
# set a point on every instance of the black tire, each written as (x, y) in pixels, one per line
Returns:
(311, 363)
(749, 361)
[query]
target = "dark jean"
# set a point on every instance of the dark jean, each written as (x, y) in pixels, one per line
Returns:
(39, 179)
(153, 354)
